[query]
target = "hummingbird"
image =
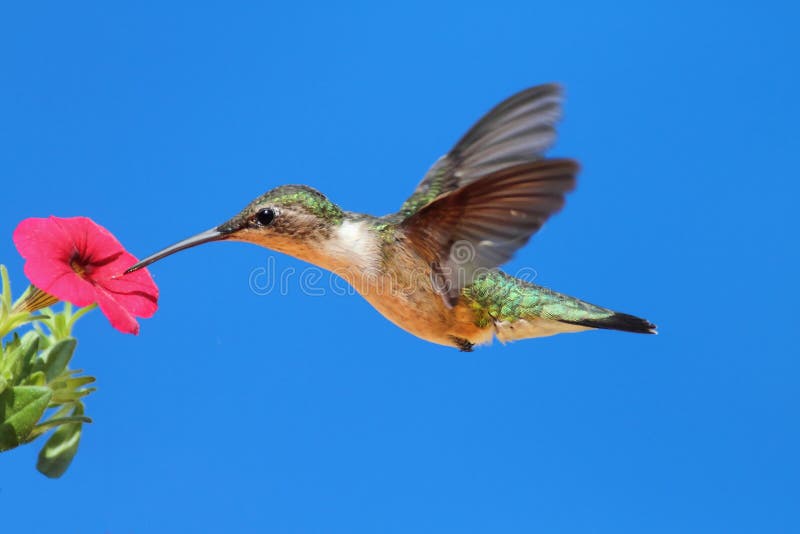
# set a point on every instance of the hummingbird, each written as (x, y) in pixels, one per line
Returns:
(432, 268)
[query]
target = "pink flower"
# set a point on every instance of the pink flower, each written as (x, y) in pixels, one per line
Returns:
(79, 261)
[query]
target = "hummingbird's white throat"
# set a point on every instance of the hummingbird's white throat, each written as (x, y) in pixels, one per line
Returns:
(353, 244)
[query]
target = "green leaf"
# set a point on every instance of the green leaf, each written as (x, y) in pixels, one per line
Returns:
(67, 396)
(6, 289)
(18, 319)
(58, 421)
(12, 344)
(78, 381)
(68, 387)
(19, 354)
(60, 449)
(55, 358)
(35, 379)
(21, 408)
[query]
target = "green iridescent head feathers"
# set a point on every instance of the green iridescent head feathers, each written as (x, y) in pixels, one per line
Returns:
(304, 198)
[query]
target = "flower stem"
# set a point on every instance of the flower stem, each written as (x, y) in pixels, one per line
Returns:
(80, 313)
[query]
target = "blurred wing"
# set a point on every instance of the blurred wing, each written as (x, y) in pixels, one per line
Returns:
(516, 131)
(481, 225)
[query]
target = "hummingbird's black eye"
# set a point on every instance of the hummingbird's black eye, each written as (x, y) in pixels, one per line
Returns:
(265, 216)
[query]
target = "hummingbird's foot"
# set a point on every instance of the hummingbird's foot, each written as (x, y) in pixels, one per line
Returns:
(462, 344)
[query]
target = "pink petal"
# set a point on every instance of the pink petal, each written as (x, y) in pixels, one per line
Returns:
(90, 240)
(58, 279)
(42, 238)
(135, 291)
(117, 315)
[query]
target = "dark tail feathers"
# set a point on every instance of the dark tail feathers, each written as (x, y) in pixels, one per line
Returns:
(619, 321)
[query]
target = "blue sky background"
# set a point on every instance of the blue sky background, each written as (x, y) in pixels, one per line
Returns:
(234, 411)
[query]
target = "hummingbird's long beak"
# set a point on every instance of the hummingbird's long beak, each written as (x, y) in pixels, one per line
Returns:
(204, 237)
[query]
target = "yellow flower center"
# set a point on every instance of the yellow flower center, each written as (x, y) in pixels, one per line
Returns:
(77, 267)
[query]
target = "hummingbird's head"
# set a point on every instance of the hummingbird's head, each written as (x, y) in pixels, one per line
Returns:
(294, 219)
